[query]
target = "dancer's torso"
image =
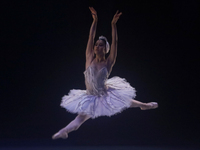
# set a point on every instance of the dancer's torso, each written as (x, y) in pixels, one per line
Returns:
(95, 78)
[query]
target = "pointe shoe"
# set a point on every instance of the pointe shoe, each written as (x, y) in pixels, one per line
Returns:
(60, 134)
(151, 105)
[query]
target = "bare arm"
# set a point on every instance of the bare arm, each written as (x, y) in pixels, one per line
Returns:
(113, 51)
(92, 33)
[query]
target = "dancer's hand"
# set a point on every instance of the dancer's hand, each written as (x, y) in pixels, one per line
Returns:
(94, 13)
(116, 17)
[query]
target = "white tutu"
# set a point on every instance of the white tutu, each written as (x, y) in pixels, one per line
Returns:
(112, 98)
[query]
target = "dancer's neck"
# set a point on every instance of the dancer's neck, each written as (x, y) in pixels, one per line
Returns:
(100, 58)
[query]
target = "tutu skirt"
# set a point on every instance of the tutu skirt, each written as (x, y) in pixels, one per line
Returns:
(118, 97)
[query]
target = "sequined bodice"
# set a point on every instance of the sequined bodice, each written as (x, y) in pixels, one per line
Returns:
(95, 80)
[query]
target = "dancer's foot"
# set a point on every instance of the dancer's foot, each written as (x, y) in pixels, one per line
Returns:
(151, 105)
(60, 134)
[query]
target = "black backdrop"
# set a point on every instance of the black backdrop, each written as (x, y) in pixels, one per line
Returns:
(43, 56)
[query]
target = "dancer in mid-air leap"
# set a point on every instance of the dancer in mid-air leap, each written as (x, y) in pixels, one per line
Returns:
(103, 96)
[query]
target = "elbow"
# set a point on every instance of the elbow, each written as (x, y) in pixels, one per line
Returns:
(115, 40)
(91, 36)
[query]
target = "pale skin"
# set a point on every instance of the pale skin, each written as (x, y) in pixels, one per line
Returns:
(95, 53)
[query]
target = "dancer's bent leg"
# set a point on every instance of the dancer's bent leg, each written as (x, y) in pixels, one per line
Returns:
(144, 106)
(73, 125)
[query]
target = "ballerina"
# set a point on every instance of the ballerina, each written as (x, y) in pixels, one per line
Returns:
(103, 96)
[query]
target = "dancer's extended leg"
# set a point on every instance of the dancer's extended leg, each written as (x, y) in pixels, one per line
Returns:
(73, 125)
(144, 106)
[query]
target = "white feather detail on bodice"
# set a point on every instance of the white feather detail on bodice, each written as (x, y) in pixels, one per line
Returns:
(95, 80)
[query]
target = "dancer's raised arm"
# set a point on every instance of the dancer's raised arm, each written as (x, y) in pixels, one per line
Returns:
(113, 51)
(89, 49)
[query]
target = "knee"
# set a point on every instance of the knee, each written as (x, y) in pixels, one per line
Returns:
(76, 127)
(82, 118)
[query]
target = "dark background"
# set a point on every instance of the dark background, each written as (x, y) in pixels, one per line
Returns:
(43, 56)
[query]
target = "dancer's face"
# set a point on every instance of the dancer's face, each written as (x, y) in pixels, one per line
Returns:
(100, 47)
